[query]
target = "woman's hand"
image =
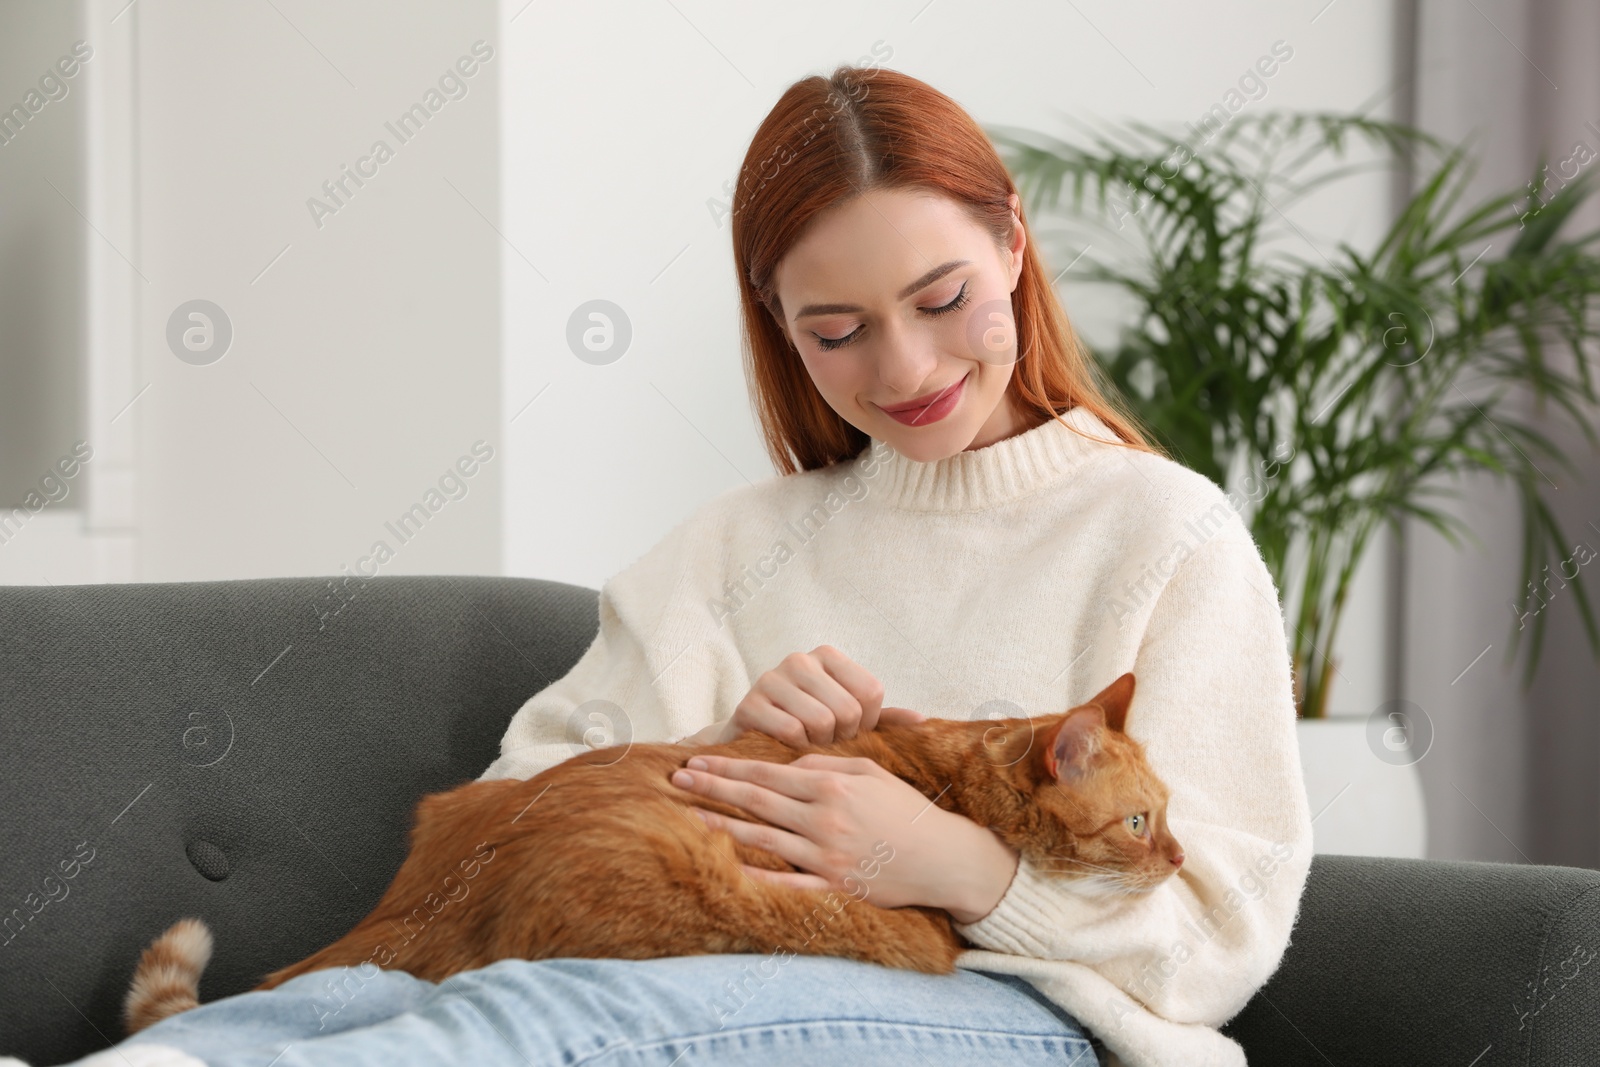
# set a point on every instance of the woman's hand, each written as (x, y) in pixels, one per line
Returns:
(811, 698)
(837, 819)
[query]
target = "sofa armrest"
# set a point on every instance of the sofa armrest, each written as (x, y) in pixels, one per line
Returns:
(1434, 962)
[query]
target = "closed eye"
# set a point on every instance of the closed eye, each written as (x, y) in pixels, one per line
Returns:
(828, 344)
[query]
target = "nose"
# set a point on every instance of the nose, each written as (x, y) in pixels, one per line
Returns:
(1177, 857)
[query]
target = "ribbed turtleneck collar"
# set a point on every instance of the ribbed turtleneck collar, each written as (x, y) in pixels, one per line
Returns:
(984, 477)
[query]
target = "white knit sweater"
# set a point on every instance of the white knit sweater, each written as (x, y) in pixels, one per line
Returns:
(1024, 575)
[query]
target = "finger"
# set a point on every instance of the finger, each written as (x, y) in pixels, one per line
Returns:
(847, 688)
(790, 698)
(817, 761)
(808, 683)
(798, 783)
(900, 717)
(757, 800)
(790, 847)
(758, 713)
(797, 879)
(864, 689)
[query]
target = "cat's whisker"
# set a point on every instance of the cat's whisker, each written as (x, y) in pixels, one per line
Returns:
(1064, 861)
(1095, 886)
(1105, 881)
(1054, 861)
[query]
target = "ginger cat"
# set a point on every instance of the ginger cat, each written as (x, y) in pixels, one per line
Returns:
(599, 856)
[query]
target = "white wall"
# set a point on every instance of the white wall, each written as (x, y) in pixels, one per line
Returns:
(365, 352)
(606, 195)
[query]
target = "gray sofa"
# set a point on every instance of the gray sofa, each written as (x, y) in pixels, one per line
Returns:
(250, 751)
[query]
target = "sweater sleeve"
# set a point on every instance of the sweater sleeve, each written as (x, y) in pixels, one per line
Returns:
(1214, 708)
(659, 667)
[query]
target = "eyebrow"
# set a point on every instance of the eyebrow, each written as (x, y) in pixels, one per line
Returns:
(921, 283)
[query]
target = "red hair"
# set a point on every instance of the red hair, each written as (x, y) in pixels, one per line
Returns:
(828, 140)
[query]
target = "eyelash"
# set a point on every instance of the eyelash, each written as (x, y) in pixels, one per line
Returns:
(828, 344)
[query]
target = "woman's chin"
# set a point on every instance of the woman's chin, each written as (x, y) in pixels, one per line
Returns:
(925, 444)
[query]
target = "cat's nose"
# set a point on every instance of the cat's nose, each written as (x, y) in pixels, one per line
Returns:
(1177, 858)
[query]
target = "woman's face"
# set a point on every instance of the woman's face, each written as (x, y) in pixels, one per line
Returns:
(897, 296)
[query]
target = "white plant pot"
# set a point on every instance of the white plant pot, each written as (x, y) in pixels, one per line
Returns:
(1364, 789)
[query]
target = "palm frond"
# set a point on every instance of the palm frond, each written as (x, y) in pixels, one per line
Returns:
(1373, 365)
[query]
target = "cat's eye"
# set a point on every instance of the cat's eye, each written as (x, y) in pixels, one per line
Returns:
(1138, 825)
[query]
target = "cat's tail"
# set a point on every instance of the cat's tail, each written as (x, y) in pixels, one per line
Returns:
(167, 979)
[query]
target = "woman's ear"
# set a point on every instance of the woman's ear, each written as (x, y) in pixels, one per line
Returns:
(1019, 239)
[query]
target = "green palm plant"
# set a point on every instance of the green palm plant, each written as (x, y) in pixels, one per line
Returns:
(1350, 389)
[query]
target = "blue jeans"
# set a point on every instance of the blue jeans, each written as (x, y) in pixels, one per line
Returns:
(682, 1011)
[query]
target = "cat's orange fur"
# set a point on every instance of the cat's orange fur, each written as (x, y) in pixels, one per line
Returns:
(601, 857)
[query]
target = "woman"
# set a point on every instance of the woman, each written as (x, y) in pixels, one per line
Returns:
(965, 520)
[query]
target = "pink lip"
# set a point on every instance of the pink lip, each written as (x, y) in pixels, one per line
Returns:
(933, 408)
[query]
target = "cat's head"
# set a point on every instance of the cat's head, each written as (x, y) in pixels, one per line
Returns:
(1093, 780)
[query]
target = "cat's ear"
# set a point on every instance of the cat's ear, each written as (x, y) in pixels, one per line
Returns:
(1114, 700)
(1075, 742)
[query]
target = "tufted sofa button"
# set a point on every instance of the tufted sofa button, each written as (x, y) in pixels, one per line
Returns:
(208, 859)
